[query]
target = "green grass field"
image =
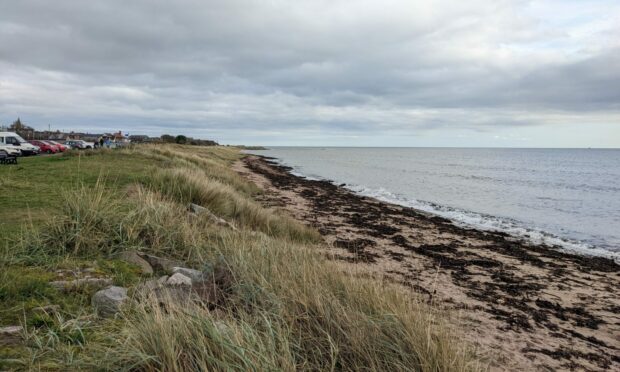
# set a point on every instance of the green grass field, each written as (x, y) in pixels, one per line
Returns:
(286, 307)
(33, 190)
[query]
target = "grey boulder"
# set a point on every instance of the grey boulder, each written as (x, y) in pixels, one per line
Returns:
(195, 275)
(179, 279)
(161, 264)
(107, 302)
(133, 258)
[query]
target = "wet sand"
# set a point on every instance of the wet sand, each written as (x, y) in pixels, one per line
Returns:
(526, 307)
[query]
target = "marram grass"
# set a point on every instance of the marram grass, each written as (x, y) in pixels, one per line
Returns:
(288, 307)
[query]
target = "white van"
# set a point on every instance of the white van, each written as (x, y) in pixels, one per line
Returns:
(13, 139)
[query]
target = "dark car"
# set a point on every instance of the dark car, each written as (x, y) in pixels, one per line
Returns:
(79, 144)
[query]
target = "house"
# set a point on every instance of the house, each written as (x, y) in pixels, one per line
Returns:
(119, 137)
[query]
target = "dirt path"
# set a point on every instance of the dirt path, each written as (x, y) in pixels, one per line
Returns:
(527, 307)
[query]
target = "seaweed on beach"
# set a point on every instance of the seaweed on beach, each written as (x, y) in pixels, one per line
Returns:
(487, 267)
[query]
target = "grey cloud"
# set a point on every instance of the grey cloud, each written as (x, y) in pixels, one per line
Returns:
(341, 66)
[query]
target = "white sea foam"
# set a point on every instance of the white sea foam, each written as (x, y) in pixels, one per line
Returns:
(487, 223)
(564, 203)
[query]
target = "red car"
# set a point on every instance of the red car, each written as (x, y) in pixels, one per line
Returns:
(59, 146)
(45, 147)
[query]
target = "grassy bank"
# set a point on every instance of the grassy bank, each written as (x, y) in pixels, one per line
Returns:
(286, 307)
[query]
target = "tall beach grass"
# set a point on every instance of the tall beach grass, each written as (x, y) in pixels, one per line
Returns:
(288, 307)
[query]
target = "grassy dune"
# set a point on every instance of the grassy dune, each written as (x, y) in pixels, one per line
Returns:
(287, 308)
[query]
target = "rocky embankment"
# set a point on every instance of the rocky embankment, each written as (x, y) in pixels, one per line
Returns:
(168, 281)
(207, 286)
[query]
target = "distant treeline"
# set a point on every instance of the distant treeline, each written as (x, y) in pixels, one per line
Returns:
(184, 140)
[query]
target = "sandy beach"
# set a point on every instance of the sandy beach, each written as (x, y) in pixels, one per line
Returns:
(525, 307)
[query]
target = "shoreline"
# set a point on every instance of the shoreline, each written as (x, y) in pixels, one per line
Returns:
(468, 219)
(524, 305)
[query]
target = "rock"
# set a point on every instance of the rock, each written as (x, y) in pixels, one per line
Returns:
(179, 279)
(11, 335)
(149, 285)
(175, 289)
(209, 288)
(217, 285)
(173, 294)
(47, 309)
(107, 302)
(195, 275)
(67, 285)
(198, 209)
(215, 268)
(153, 284)
(195, 208)
(132, 257)
(161, 264)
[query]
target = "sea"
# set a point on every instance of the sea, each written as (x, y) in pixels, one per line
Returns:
(561, 197)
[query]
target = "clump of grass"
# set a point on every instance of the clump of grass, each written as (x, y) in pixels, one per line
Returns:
(96, 222)
(342, 321)
(57, 344)
(189, 186)
(23, 288)
(213, 169)
(24, 284)
(189, 337)
(87, 222)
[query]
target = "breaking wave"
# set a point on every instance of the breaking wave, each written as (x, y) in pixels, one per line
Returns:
(470, 219)
(488, 223)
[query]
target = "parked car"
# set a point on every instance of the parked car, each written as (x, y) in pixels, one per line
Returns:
(55, 146)
(79, 144)
(13, 139)
(45, 147)
(60, 146)
(10, 150)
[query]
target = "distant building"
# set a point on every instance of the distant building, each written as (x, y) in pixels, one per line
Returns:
(118, 137)
(56, 136)
(136, 138)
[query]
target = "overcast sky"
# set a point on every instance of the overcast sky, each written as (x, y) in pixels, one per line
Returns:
(351, 73)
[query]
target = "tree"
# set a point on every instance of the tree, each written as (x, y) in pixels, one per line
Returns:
(22, 129)
(167, 138)
(181, 139)
(17, 125)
